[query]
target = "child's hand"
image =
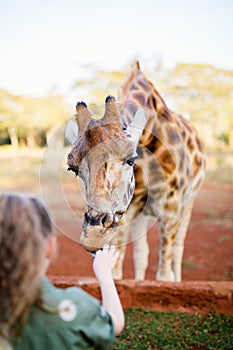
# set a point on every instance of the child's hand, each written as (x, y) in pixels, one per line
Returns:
(104, 262)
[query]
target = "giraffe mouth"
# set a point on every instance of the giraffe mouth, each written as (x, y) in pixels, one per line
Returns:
(97, 233)
(95, 237)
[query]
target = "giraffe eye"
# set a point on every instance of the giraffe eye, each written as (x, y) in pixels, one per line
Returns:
(75, 170)
(131, 161)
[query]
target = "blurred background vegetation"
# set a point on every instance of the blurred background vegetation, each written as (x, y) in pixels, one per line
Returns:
(201, 93)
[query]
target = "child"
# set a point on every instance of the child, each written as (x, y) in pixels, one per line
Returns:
(33, 313)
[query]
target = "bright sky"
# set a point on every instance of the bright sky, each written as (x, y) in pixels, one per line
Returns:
(44, 42)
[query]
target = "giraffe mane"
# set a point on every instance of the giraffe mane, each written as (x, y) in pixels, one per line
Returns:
(125, 87)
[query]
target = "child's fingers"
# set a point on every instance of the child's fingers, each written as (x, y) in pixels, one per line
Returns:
(109, 248)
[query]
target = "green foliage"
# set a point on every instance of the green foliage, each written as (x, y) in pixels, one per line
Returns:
(154, 330)
(30, 119)
(224, 137)
(205, 95)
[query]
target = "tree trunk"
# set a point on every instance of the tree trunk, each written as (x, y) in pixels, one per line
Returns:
(31, 141)
(14, 138)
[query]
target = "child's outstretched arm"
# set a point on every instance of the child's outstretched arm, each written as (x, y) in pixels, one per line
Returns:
(103, 264)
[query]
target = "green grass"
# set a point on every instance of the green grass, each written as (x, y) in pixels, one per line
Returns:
(147, 330)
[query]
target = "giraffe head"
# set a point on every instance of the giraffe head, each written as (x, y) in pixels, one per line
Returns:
(103, 155)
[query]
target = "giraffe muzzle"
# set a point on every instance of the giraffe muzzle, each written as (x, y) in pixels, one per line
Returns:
(98, 231)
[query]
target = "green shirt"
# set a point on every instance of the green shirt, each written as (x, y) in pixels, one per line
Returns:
(75, 320)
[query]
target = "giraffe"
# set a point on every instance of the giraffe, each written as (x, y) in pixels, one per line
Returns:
(124, 192)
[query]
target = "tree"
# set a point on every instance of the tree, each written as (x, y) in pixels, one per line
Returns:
(27, 118)
(204, 94)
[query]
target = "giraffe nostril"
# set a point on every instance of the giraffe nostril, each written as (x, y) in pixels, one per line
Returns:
(92, 221)
(107, 220)
(104, 220)
(86, 217)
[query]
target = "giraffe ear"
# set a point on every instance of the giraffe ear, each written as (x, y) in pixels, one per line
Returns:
(71, 132)
(136, 127)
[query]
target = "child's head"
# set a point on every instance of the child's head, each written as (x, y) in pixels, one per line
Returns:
(25, 229)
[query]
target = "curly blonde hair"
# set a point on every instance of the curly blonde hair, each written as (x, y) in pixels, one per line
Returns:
(24, 227)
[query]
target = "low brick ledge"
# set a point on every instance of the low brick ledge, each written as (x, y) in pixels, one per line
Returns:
(192, 297)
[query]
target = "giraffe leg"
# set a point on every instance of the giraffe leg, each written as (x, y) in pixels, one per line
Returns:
(121, 247)
(166, 243)
(179, 245)
(138, 230)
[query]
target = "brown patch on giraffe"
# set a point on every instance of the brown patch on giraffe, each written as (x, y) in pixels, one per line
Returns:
(181, 182)
(135, 87)
(197, 162)
(173, 236)
(158, 103)
(147, 138)
(140, 98)
(165, 113)
(140, 192)
(169, 257)
(190, 144)
(78, 152)
(186, 124)
(138, 174)
(173, 136)
(167, 162)
(183, 134)
(163, 110)
(165, 241)
(200, 144)
(127, 85)
(174, 183)
(172, 226)
(170, 194)
(154, 166)
(154, 145)
(101, 190)
(170, 205)
(166, 220)
(163, 251)
(151, 101)
(143, 84)
(98, 133)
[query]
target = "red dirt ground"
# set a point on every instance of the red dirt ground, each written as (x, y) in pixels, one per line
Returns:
(208, 251)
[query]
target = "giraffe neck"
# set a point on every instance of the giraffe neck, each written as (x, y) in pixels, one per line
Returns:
(167, 135)
(138, 91)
